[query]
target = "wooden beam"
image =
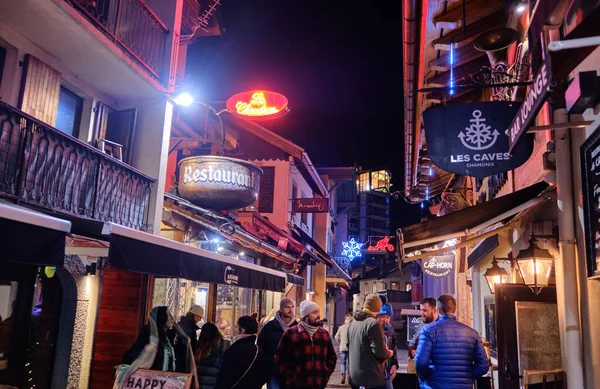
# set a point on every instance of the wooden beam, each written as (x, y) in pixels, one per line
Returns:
(476, 9)
(495, 20)
(462, 55)
(443, 79)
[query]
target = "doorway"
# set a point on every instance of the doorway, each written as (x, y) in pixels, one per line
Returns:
(527, 332)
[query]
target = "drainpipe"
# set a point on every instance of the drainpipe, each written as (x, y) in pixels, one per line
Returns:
(566, 266)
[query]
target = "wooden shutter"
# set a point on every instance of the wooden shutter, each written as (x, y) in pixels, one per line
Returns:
(267, 190)
(40, 90)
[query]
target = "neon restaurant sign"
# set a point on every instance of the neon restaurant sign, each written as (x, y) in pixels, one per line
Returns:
(258, 105)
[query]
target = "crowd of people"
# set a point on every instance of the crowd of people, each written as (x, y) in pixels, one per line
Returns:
(299, 354)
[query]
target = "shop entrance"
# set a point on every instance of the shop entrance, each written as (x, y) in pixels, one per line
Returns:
(30, 306)
(527, 332)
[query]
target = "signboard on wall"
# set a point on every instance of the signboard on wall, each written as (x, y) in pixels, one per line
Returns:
(471, 139)
(219, 183)
(313, 205)
(590, 171)
(258, 105)
(438, 266)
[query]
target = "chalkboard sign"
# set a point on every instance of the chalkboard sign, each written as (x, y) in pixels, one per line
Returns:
(590, 171)
(414, 326)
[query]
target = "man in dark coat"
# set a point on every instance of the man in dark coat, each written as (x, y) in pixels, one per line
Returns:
(189, 325)
(450, 354)
(271, 334)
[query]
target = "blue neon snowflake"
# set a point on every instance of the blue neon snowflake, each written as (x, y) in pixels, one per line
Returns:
(352, 249)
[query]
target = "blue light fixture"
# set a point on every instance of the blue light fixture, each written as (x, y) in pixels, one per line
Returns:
(452, 68)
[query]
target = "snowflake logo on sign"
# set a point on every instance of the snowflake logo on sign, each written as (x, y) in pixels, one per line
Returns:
(352, 249)
(478, 136)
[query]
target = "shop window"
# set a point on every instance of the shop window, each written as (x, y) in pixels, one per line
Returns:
(68, 115)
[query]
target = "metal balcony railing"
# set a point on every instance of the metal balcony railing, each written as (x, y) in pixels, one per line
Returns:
(133, 26)
(45, 167)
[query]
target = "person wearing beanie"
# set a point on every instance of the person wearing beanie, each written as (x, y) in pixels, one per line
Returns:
(385, 317)
(189, 325)
(367, 349)
(305, 355)
(271, 334)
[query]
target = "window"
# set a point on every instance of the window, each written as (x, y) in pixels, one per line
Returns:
(68, 115)
(408, 287)
(395, 286)
(380, 181)
(364, 184)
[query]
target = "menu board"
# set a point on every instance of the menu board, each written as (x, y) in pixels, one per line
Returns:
(414, 326)
(590, 171)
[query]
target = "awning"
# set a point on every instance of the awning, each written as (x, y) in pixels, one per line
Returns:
(306, 239)
(470, 220)
(140, 252)
(30, 237)
(294, 279)
(487, 246)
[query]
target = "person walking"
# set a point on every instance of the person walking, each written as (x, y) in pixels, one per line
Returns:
(305, 355)
(271, 334)
(450, 354)
(244, 364)
(368, 352)
(209, 355)
(189, 325)
(429, 314)
(385, 317)
(341, 336)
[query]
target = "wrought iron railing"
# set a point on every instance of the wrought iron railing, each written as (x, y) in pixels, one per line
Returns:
(42, 166)
(132, 25)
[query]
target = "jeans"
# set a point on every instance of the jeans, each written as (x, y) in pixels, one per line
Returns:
(343, 362)
(389, 383)
(273, 383)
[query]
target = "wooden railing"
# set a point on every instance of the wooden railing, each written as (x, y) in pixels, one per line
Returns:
(132, 25)
(42, 166)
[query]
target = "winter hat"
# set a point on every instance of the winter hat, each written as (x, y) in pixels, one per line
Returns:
(307, 307)
(386, 310)
(197, 310)
(373, 303)
(285, 301)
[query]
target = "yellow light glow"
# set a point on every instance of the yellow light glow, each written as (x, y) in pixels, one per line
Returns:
(257, 106)
(539, 268)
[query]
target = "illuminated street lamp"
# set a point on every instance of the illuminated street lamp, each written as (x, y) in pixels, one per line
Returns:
(184, 99)
(535, 265)
(495, 275)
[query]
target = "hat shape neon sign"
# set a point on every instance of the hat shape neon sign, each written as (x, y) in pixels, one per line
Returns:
(258, 104)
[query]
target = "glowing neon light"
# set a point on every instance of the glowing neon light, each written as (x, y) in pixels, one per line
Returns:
(257, 106)
(427, 192)
(381, 245)
(451, 69)
(352, 249)
(430, 171)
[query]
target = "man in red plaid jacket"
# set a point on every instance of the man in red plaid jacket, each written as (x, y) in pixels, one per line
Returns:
(305, 355)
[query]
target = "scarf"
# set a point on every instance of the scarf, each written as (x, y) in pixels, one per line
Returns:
(282, 323)
(308, 328)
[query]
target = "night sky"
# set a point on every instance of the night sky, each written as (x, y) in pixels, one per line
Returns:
(339, 64)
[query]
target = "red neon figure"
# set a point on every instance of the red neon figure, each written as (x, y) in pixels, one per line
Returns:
(383, 244)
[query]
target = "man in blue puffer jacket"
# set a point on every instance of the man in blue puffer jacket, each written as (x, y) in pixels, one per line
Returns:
(450, 354)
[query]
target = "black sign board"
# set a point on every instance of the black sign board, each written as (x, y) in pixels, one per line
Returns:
(314, 205)
(590, 171)
(535, 98)
(470, 139)
(414, 326)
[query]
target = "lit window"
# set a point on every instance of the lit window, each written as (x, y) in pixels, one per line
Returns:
(363, 182)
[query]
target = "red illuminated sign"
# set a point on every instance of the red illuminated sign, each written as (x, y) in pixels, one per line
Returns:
(381, 245)
(258, 105)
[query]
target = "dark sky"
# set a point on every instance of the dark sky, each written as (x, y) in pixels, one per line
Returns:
(340, 65)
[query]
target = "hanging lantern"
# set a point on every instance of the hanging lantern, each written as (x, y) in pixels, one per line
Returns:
(535, 265)
(495, 275)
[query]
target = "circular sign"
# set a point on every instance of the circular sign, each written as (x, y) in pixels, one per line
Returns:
(258, 105)
(219, 182)
(438, 266)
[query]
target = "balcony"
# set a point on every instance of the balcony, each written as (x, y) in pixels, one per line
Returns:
(133, 26)
(43, 167)
(120, 48)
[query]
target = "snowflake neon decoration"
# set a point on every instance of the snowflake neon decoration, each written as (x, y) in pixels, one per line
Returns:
(352, 249)
(478, 136)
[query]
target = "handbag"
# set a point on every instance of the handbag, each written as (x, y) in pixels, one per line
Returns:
(248, 369)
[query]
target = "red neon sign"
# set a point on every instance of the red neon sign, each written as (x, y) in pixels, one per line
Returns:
(382, 245)
(258, 104)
